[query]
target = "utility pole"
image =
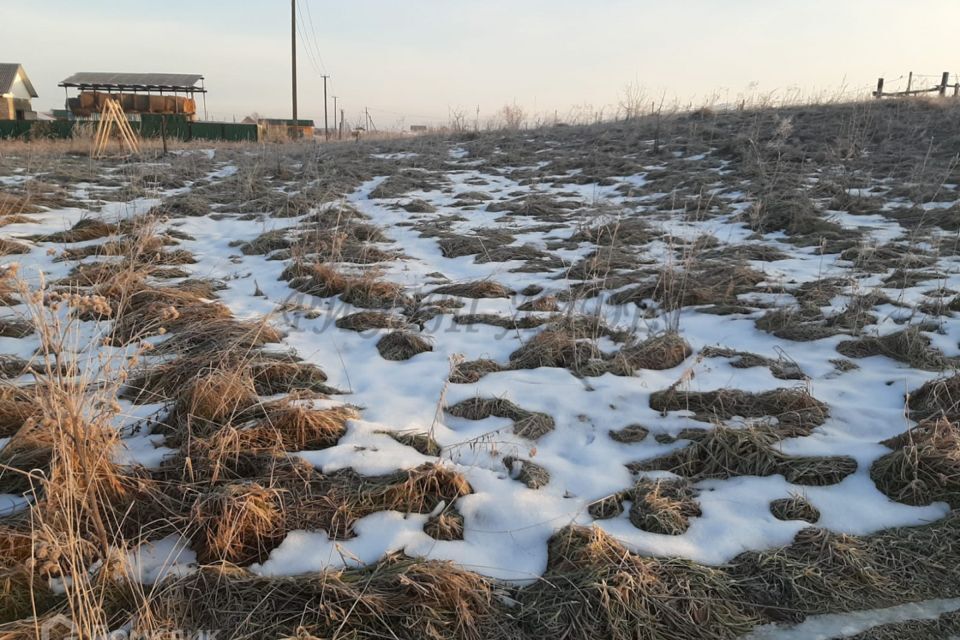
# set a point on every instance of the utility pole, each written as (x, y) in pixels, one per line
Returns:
(326, 121)
(342, 118)
(293, 54)
(334, 112)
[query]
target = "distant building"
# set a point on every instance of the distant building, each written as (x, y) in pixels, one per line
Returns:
(154, 93)
(16, 91)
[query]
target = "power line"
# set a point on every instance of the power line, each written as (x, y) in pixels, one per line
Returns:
(306, 43)
(313, 30)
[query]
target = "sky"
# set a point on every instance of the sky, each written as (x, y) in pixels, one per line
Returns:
(421, 61)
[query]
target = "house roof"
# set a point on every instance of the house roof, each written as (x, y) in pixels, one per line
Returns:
(136, 81)
(8, 76)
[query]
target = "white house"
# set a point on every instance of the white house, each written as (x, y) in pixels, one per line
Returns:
(16, 91)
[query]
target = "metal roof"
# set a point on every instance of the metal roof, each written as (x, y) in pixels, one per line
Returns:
(8, 75)
(138, 81)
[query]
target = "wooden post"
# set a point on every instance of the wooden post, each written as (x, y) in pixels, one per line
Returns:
(909, 81)
(943, 83)
(879, 92)
(163, 132)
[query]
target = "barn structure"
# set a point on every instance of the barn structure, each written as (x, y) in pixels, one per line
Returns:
(16, 91)
(153, 93)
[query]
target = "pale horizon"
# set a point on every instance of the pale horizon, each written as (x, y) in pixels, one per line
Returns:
(418, 62)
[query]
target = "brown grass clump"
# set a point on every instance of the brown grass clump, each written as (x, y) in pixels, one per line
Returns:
(9, 247)
(795, 507)
(796, 411)
(275, 375)
(338, 500)
(724, 453)
(936, 399)
(924, 466)
(396, 598)
(83, 230)
(15, 328)
(477, 289)
(630, 434)
(545, 303)
(909, 346)
(526, 424)
(781, 368)
(213, 399)
(529, 473)
(366, 320)
(366, 291)
(663, 506)
(595, 588)
(665, 351)
(422, 442)
(824, 572)
(712, 284)
(446, 525)
(267, 242)
(17, 404)
(402, 345)
(946, 625)
(803, 324)
(470, 371)
(457, 246)
(555, 348)
(237, 523)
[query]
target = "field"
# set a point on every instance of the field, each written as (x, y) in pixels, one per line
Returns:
(691, 375)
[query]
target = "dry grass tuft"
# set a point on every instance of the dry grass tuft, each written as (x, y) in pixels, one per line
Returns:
(936, 399)
(471, 371)
(237, 523)
(422, 442)
(595, 588)
(396, 598)
(924, 466)
(477, 289)
(15, 328)
(17, 405)
(529, 473)
(9, 247)
(795, 410)
(366, 320)
(725, 453)
(663, 506)
(630, 434)
(446, 525)
(83, 230)
(214, 399)
(795, 507)
(526, 424)
(909, 346)
(365, 291)
(830, 572)
(402, 345)
(545, 303)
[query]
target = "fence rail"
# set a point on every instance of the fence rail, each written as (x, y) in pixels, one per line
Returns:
(940, 89)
